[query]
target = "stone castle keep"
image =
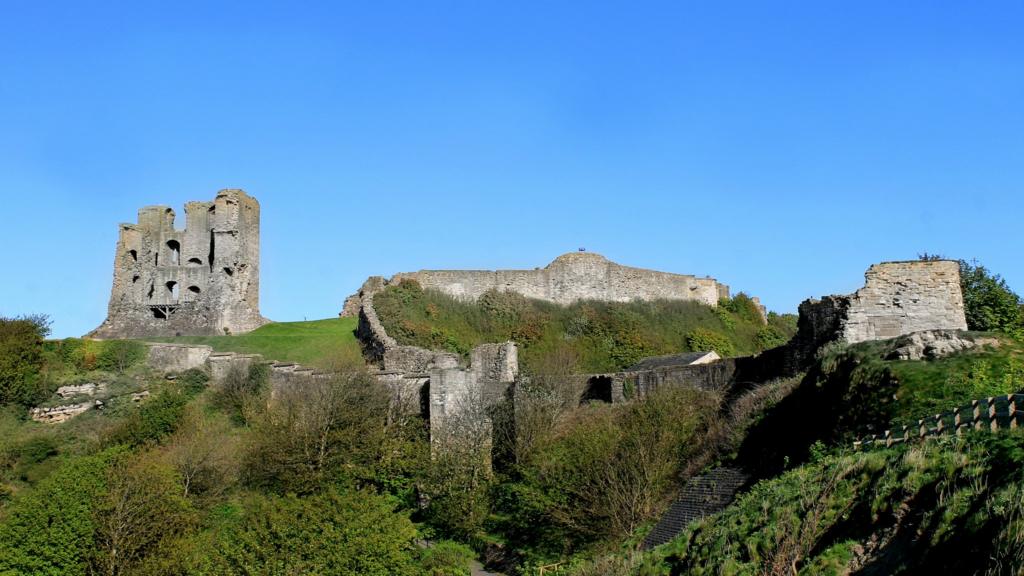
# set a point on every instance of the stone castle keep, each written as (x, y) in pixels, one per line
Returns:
(203, 280)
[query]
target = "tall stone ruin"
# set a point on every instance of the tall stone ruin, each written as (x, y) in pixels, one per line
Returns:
(203, 280)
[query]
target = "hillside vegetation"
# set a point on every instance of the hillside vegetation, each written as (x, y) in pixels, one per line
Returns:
(597, 336)
(854, 391)
(312, 343)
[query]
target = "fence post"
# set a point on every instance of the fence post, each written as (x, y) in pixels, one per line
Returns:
(938, 424)
(977, 414)
(922, 428)
(888, 438)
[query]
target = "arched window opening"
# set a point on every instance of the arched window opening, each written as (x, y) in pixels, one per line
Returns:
(134, 255)
(172, 290)
(195, 262)
(135, 279)
(175, 249)
(193, 293)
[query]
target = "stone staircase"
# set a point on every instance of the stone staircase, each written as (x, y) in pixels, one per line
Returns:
(701, 496)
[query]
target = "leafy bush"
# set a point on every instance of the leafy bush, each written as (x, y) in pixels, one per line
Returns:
(702, 339)
(21, 357)
(446, 558)
(35, 449)
(157, 418)
(989, 304)
(120, 355)
(347, 534)
(241, 388)
(50, 530)
(193, 381)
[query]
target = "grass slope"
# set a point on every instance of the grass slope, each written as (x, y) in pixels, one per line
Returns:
(907, 510)
(313, 343)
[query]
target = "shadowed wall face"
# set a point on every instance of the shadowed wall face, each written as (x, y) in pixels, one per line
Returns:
(202, 280)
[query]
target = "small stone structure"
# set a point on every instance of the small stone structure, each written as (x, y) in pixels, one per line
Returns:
(203, 280)
(569, 278)
(177, 357)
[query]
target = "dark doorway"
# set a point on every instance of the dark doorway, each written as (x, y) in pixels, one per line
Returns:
(599, 389)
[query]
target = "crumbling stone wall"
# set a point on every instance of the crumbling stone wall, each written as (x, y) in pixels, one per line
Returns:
(384, 350)
(203, 280)
(177, 357)
(461, 399)
(898, 298)
(570, 277)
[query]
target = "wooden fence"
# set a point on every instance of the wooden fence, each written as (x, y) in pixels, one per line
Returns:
(992, 413)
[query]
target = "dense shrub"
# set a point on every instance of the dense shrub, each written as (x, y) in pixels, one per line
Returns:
(703, 339)
(21, 357)
(50, 530)
(316, 432)
(446, 558)
(989, 304)
(241, 388)
(345, 534)
(120, 355)
(157, 418)
(603, 336)
(607, 470)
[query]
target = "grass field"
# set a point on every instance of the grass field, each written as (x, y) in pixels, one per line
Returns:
(312, 343)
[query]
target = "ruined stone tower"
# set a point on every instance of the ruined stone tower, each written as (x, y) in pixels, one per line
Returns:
(203, 280)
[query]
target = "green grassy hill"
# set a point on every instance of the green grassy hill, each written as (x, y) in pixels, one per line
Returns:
(313, 343)
(595, 336)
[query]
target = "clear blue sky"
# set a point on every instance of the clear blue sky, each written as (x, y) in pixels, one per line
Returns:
(781, 147)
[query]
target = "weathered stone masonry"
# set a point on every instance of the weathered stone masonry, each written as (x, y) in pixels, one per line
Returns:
(897, 298)
(569, 278)
(202, 280)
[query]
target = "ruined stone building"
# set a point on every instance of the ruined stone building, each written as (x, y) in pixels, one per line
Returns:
(569, 278)
(203, 280)
(897, 298)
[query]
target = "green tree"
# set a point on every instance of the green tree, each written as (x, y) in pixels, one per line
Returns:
(21, 357)
(989, 303)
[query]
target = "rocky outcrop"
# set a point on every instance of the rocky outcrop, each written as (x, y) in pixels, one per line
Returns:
(88, 389)
(933, 344)
(58, 414)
